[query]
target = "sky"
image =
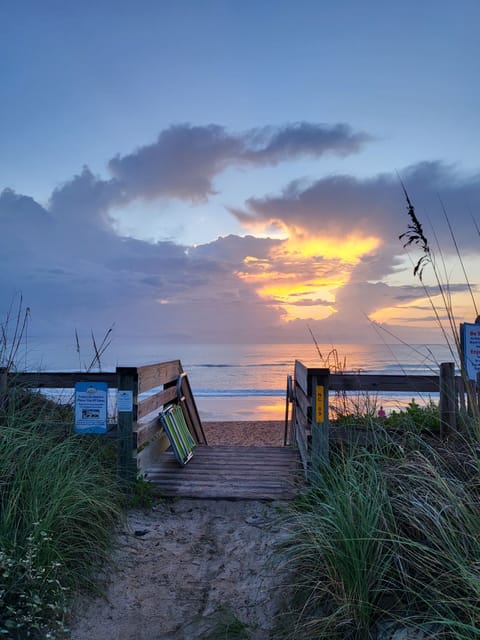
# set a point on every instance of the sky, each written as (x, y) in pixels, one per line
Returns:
(216, 171)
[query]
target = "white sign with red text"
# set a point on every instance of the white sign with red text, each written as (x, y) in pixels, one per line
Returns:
(471, 349)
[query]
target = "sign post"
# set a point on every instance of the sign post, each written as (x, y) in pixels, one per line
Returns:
(320, 418)
(127, 409)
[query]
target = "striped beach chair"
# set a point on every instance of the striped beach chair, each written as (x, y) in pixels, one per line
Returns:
(178, 434)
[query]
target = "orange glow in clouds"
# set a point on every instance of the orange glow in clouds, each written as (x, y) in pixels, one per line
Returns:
(302, 274)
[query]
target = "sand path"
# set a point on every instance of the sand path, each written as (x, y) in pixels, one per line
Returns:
(192, 569)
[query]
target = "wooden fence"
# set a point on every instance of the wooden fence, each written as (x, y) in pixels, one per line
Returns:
(311, 387)
(140, 436)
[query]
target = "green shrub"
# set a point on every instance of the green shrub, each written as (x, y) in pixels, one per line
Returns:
(143, 494)
(33, 600)
(415, 417)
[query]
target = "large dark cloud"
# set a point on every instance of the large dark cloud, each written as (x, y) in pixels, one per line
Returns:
(74, 271)
(338, 204)
(185, 159)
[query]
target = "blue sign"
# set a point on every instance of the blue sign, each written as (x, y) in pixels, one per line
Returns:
(91, 407)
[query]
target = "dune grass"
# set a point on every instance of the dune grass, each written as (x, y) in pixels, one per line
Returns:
(58, 507)
(386, 542)
(388, 537)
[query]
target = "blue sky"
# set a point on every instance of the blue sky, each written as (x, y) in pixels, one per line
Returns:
(135, 129)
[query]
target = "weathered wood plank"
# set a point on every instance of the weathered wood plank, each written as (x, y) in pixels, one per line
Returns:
(244, 466)
(225, 471)
(154, 375)
(261, 473)
(368, 382)
(211, 480)
(190, 411)
(303, 444)
(169, 371)
(61, 379)
(304, 405)
(245, 461)
(301, 375)
(150, 453)
(154, 402)
(143, 432)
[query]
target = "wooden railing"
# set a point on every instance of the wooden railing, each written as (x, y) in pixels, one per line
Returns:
(141, 428)
(311, 387)
(139, 432)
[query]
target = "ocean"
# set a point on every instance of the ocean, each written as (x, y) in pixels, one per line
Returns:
(248, 381)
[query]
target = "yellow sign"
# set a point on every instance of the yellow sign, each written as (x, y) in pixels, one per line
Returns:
(319, 404)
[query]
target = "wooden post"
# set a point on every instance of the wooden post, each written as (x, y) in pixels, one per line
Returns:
(320, 444)
(127, 401)
(460, 382)
(288, 399)
(448, 420)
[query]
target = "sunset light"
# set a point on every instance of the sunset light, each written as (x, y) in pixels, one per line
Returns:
(348, 248)
(420, 313)
(312, 269)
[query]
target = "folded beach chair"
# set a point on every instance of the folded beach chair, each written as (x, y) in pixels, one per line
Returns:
(178, 434)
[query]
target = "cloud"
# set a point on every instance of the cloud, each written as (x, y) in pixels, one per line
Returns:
(234, 249)
(86, 198)
(315, 302)
(180, 164)
(372, 206)
(74, 271)
(341, 239)
(19, 207)
(270, 145)
(185, 159)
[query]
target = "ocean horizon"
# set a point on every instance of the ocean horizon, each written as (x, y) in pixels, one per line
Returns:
(248, 381)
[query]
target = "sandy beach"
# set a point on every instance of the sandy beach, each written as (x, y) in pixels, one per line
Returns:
(247, 434)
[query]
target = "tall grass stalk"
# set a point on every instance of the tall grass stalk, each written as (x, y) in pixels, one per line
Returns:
(58, 507)
(14, 333)
(341, 550)
(99, 349)
(415, 236)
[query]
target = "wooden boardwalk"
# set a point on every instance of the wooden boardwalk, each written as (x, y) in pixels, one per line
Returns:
(256, 473)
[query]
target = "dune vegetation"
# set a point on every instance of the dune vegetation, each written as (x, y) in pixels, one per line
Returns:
(386, 543)
(59, 502)
(58, 507)
(388, 537)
